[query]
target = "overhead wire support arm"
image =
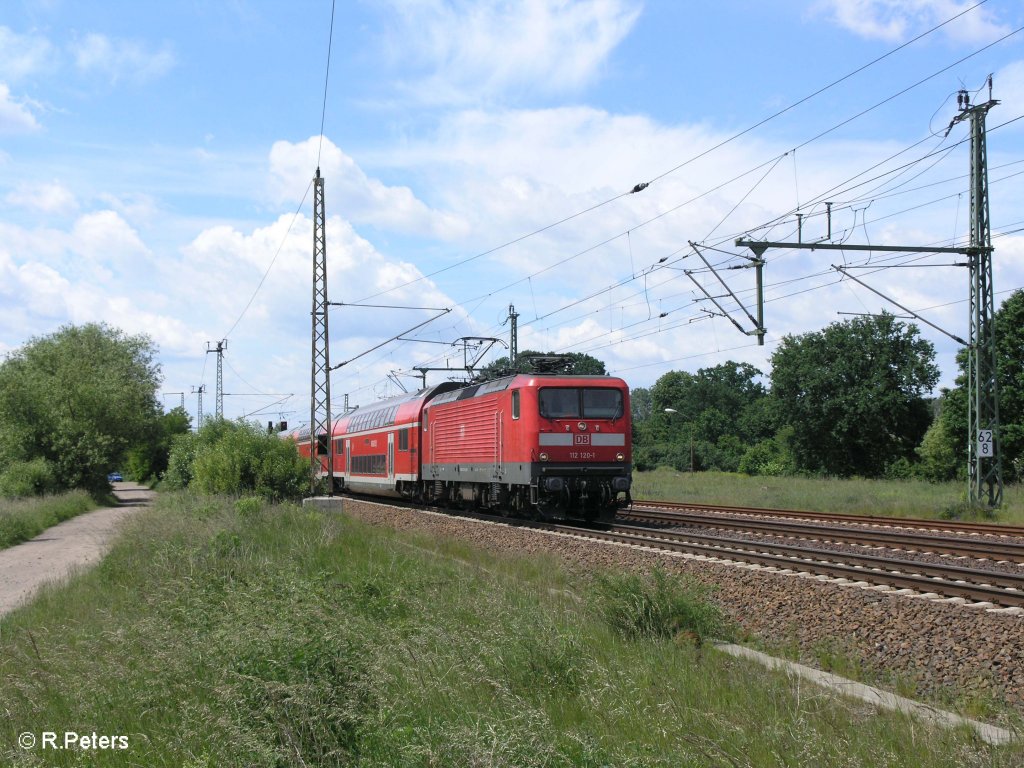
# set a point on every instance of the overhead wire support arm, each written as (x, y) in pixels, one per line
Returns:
(760, 246)
(388, 341)
(758, 322)
(482, 349)
(953, 336)
(385, 306)
(714, 301)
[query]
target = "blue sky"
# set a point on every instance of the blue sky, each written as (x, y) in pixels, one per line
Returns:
(154, 159)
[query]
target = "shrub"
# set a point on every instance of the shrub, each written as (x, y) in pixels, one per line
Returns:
(179, 463)
(939, 460)
(20, 479)
(772, 457)
(237, 458)
(900, 469)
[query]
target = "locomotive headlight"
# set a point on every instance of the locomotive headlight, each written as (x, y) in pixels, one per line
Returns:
(543, 457)
(620, 457)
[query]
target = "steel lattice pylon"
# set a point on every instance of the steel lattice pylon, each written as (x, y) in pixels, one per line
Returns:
(199, 405)
(984, 459)
(321, 443)
(219, 349)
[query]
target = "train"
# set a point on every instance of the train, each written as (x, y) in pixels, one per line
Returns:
(541, 446)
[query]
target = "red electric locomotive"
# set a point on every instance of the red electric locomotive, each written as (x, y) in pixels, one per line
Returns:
(530, 445)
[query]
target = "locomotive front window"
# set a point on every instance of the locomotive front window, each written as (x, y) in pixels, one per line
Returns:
(574, 403)
(602, 403)
(560, 403)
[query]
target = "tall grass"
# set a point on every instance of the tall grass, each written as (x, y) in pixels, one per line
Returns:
(897, 498)
(229, 634)
(24, 519)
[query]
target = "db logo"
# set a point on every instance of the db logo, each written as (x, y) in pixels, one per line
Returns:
(581, 440)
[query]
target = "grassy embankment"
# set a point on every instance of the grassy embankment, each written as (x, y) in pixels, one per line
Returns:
(217, 634)
(24, 519)
(896, 498)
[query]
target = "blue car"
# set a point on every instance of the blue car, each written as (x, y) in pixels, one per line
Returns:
(114, 477)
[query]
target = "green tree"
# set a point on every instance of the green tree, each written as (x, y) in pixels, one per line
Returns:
(854, 394)
(1009, 333)
(641, 404)
(714, 414)
(79, 399)
(148, 459)
(1009, 322)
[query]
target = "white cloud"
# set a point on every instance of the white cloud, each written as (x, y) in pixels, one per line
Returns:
(15, 117)
(472, 50)
(105, 236)
(364, 200)
(52, 197)
(223, 255)
(898, 20)
(23, 55)
(121, 59)
(35, 288)
(136, 206)
(221, 269)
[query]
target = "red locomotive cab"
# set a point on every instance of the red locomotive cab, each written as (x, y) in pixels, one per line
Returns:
(584, 456)
(583, 424)
(547, 446)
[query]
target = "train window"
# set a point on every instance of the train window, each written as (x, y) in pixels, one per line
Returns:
(602, 403)
(515, 403)
(426, 419)
(370, 465)
(322, 444)
(561, 403)
(403, 439)
(573, 403)
(339, 447)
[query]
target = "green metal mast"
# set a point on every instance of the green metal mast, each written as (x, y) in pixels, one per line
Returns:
(984, 458)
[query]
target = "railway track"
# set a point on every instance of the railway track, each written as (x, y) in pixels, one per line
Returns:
(896, 538)
(976, 585)
(991, 529)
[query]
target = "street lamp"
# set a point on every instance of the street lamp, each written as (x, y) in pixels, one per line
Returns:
(673, 410)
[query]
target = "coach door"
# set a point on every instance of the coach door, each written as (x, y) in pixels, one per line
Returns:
(391, 458)
(348, 459)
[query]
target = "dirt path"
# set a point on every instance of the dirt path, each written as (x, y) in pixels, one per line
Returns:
(58, 552)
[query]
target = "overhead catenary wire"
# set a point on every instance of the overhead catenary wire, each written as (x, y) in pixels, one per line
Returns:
(731, 237)
(644, 185)
(270, 266)
(327, 76)
(642, 273)
(818, 92)
(772, 162)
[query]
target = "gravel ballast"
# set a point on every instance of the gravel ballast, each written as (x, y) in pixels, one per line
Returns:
(943, 649)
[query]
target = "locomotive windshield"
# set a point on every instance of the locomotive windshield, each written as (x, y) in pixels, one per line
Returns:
(577, 403)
